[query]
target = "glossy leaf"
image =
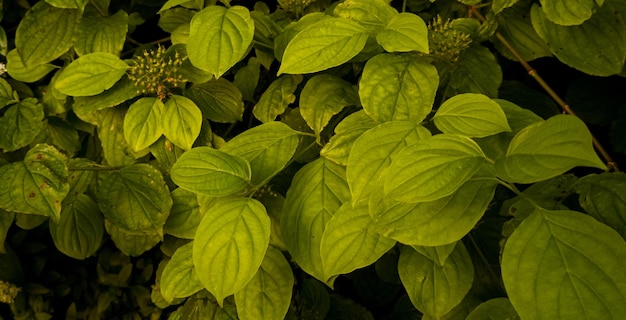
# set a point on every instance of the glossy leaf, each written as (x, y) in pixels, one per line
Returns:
(117, 152)
(102, 34)
(219, 100)
(268, 294)
(548, 149)
(212, 172)
(142, 123)
(181, 121)
(131, 243)
(91, 74)
(179, 278)
(185, 215)
(403, 33)
(230, 244)
(433, 289)
(135, 198)
(603, 197)
(372, 15)
(318, 190)
(219, 37)
(20, 124)
(498, 308)
(569, 13)
(398, 87)
(276, 98)
(564, 264)
(79, 231)
(432, 168)
(267, 147)
(325, 44)
(472, 115)
(346, 133)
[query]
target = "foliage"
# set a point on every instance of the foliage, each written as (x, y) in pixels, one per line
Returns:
(196, 159)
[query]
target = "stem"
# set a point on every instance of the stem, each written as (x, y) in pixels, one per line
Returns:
(610, 163)
(100, 11)
(403, 6)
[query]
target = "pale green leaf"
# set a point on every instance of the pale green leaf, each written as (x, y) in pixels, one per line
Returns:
(433, 289)
(268, 294)
(267, 147)
(6, 94)
(603, 197)
(131, 243)
(565, 265)
(432, 168)
(135, 198)
(498, 5)
(398, 87)
(6, 221)
(230, 244)
(110, 124)
(403, 33)
(291, 30)
(346, 133)
(547, 149)
(498, 308)
(318, 189)
(219, 100)
(20, 124)
(179, 278)
(325, 44)
(185, 215)
(438, 254)
(69, 4)
(91, 74)
(102, 34)
(373, 15)
(181, 121)
(212, 172)
(276, 98)
(476, 71)
(569, 13)
(350, 241)
(515, 26)
(142, 123)
(123, 90)
(45, 33)
(79, 232)
(472, 115)
(18, 71)
(373, 152)
(219, 38)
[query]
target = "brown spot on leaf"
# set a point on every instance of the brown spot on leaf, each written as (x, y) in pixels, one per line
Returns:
(31, 195)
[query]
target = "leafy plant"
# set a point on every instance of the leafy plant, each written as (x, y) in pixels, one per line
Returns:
(312, 159)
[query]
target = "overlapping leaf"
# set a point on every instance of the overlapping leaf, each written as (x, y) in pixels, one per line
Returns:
(20, 124)
(471, 114)
(219, 100)
(79, 231)
(603, 197)
(185, 215)
(102, 34)
(179, 278)
(569, 13)
(276, 98)
(142, 123)
(346, 133)
(403, 33)
(181, 121)
(91, 74)
(373, 15)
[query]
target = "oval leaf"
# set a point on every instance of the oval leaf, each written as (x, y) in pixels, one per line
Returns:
(79, 232)
(179, 278)
(181, 121)
(142, 123)
(18, 71)
(569, 13)
(403, 33)
(373, 15)
(472, 115)
(91, 74)
(20, 124)
(102, 34)
(219, 100)
(131, 243)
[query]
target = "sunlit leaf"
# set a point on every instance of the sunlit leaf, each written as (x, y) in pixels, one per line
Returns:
(438, 254)
(6, 94)
(404, 32)
(18, 71)
(276, 98)
(181, 121)
(471, 114)
(79, 231)
(179, 278)
(142, 123)
(110, 124)
(569, 13)
(71, 4)
(372, 15)
(91, 74)
(346, 133)
(123, 90)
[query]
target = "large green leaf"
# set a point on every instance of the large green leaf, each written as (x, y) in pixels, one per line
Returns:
(142, 123)
(181, 121)
(596, 47)
(547, 149)
(515, 26)
(433, 289)
(403, 33)
(102, 34)
(276, 98)
(91, 74)
(318, 189)
(18, 71)
(432, 168)
(20, 124)
(374, 150)
(123, 90)
(472, 115)
(373, 15)
(438, 254)
(131, 243)
(569, 13)
(284, 38)
(79, 232)
(219, 37)
(185, 215)
(603, 197)
(135, 198)
(45, 33)
(219, 100)
(267, 147)
(327, 43)
(565, 265)
(268, 294)
(117, 152)
(398, 87)
(498, 308)
(350, 241)
(179, 278)
(211, 172)
(476, 71)
(346, 133)
(230, 244)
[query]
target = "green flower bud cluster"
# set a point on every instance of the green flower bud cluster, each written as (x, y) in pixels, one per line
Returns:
(295, 6)
(8, 292)
(445, 41)
(154, 73)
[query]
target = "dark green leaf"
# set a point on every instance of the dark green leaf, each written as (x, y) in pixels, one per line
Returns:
(123, 90)
(603, 197)
(185, 215)
(476, 71)
(116, 150)
(102, 34)
(79, 232)
(6, 94)
(173, 18)
(20, 124)
(498, 308)
(6, 221)
(70, 4)
(516, 28)
(179, 278)
(277, 97)
(219, 100)
(131, 243)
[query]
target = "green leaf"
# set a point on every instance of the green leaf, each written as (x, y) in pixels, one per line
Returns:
(91, 74)
(20, 124)
(438, 254)
(181, 121)
(18, 71)
(433, 289)
(564, 264)
(373, 152)
(282, 40)
(318, 189)
(596, 47)
(135, 198)
(327, 43)
(165, 152)
(276, 98)
(85, 107)
(179, 278)
(547, 149)
(116, 150)
(6, 94)
(372, 15)
(230, 244)
(102, 34)
(268, 294)
(603, 197)
(350, 241)
(61, 135)
(432, 168)
(515, 26)
(472, 115)
(36, 185)
(346, 133)
(219, 37)
(142, 123)
(403, 33)
(219, 100)
(437, 222)
(498, 308)
(247, 79)
(185, 215)
(267, 147)
(476, 71)
(79, 180)
(45, 33)
(79, 232)
(69, 4)
(131, 243)
(398, 87)
(173, 18)
(569, 13)
(6, 221)
(212, 172)
(324, 96)
(498, 5)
